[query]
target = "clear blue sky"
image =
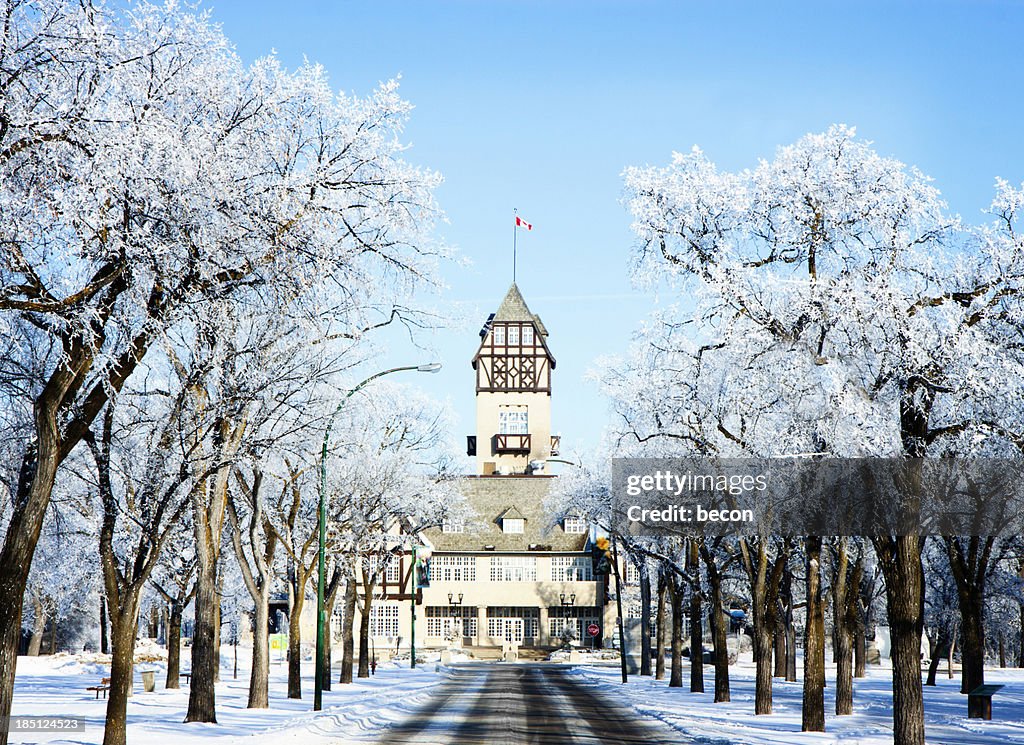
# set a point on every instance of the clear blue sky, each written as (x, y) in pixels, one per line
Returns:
(540, 105)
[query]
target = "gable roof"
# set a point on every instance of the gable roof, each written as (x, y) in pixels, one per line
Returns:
(512, 513)
(494, 497)
(514, 308)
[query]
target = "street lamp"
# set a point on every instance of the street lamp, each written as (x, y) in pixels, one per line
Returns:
(321, 620)
(570, 601)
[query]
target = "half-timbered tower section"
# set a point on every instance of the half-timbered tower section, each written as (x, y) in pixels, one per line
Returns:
(513, 392)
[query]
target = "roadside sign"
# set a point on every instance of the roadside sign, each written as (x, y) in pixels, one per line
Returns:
(593, 629)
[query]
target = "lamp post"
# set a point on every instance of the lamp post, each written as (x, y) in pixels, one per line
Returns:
(321, 620)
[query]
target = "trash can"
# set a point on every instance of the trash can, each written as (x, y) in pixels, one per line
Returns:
(149, 680)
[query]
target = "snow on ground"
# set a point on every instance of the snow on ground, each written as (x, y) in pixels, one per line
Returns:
(56, 686)
(358, 713)
(696, 714)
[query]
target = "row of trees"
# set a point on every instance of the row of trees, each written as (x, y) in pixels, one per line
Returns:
(195, 254)
(829, 306)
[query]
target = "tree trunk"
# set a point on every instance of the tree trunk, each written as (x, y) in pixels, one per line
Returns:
(972, 639)
(35, 485)
(295, 646)
(35, 643)
(696, 621)
(779, 652)
(949, 655)
(364, 634)
(659, 662)
(904, 589)
(1020, 640)
(844, 582)
(216, 627)
(104, 645)
(860, 650)
(202, 697)
(259, 673)
(813, 710)
(174, 647)
(329, 599)
(347, 650)
(720, 632)
(676, 673)
(645, 617)
(123, 627)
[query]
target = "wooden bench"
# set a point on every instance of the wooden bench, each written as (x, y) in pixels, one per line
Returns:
(104, 686)
(979, 701)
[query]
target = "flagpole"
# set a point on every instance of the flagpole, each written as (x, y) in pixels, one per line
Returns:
(515, 234)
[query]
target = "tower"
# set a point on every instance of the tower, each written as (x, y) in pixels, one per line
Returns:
(513, 391)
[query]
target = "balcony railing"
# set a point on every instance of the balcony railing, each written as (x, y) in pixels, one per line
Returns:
(511, 443)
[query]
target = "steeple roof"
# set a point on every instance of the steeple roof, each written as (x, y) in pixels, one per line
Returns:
(514, 308)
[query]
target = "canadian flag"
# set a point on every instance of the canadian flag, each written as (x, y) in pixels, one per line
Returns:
(521, 223)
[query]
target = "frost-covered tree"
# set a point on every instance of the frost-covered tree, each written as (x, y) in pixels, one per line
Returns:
(145, 172)
(837, 309)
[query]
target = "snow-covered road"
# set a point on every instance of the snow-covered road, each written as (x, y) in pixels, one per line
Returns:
(539, 704)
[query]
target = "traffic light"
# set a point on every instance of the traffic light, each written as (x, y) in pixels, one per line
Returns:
(600, 557)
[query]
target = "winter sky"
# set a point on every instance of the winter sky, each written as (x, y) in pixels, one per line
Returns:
(540, 105)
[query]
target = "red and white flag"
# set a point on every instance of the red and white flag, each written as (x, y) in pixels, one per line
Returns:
(521, 223)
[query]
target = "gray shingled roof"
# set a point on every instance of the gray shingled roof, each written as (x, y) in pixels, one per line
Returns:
(492, 497)
(514, 308)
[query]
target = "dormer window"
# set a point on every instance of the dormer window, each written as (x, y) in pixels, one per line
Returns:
(513, 336)
(573, 524)
(499, 336)
(513, 525)
(527, 336)
(453, 526)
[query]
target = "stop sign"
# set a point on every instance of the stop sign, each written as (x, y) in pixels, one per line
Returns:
(593, 629)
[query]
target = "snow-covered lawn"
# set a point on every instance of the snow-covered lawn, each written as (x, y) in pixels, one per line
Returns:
(359, 713)
(734, 722)
(56, 686)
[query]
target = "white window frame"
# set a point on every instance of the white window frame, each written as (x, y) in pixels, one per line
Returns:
(498, 333)
(572, 569)
(574, 524)
(513, 569)
(393, 571)
(513, 336)
(527, 336)
(513, 525)
(453, 526)
(384, 620)
(453, 569)
(513, 420)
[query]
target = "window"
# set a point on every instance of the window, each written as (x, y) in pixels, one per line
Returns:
(453, 569)
(513, 420)
(513, 336)
(631, 574)
(499, 336)
(513, 524)
(392, 572)
(527, 335)
(453, 526)
(573, 524)
(578, 617)
(384, 620)
(443, 620)
(513, 623)
(571, 569)
(513, 569)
